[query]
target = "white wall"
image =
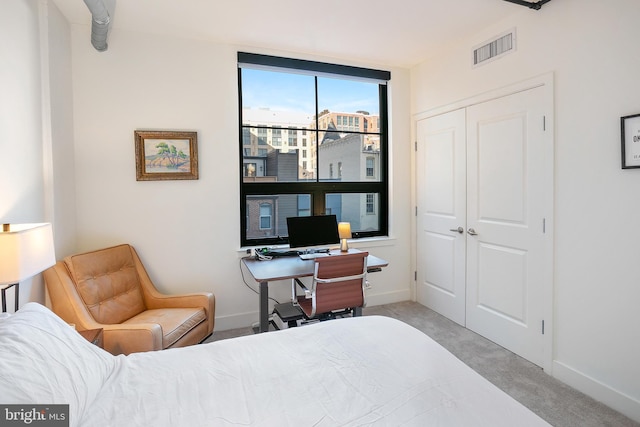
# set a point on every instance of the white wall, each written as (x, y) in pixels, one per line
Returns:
(187, 232)
(60, 182)
(591, 47)
(22, 164)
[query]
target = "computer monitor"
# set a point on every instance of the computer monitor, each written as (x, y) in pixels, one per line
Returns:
(310, 231)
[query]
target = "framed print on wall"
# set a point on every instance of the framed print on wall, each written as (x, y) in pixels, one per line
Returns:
(630, 131)
(166, 155)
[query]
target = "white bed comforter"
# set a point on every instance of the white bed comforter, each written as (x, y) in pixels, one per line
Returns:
(366, 371)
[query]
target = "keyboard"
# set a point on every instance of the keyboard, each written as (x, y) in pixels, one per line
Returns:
(313, 255)
(280, 253)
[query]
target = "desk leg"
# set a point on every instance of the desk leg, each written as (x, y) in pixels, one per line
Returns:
(357, 311)
(4, 300)
(264, 307)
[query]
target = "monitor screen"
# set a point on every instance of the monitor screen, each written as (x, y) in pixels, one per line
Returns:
(306, 231)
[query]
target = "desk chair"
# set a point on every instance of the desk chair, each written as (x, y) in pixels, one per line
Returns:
(338, 285)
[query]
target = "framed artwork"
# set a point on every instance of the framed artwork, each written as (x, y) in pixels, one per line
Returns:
(630, 131)
(166, 155)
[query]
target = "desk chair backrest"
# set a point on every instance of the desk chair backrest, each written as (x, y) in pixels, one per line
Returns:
(338, 283)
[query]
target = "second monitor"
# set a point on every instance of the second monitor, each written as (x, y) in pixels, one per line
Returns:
(312, 231)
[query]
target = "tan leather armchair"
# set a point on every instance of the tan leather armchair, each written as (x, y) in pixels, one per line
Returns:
(110, 289)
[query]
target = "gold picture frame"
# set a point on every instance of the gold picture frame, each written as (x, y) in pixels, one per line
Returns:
(166, 155)
(630, 132)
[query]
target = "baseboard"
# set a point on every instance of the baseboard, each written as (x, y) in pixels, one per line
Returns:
(601, 392)
(235, 321)
(388, 297)
(243, 320)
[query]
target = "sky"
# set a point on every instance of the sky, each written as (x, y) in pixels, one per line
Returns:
(296, 93)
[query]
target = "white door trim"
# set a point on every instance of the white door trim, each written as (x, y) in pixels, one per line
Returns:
(541, 80)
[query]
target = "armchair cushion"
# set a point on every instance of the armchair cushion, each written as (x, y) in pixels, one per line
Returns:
(108, 283)
(175, 322)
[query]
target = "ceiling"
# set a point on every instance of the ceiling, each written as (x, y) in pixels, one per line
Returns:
(373, 31)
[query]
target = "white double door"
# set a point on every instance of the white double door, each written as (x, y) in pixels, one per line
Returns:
(483, 174)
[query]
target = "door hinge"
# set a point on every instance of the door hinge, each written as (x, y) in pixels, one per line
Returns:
(544, 123)
(415, 145)
(416, 211)
(544, 225)
(415, 275)
(543, 327)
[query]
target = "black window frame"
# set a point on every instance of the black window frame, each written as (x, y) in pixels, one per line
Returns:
(318, 190)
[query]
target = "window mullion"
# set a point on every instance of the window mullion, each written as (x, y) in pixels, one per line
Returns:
(317, 139)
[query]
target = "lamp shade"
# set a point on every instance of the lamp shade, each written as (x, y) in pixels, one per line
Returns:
(25, 250)
(344, 230)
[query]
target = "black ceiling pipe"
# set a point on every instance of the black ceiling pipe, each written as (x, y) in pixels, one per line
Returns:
(531, 5)
(99, 24)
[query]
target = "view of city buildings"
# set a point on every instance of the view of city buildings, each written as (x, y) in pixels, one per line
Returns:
(281, 146)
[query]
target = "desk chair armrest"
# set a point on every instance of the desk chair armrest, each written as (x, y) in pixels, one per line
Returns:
(295, 281)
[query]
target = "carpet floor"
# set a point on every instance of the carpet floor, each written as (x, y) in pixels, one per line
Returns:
(554, 401)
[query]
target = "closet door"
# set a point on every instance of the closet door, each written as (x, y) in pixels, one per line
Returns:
(507, 198)
(441, 197)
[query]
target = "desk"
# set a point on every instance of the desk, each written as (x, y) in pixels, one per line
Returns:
(283, 268)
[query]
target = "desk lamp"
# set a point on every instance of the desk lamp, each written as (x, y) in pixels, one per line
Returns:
(344, 231)
(25, 250)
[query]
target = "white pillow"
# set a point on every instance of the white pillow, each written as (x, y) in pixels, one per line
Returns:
(43, 360)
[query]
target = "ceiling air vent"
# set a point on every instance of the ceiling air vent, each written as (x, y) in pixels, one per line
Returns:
(495, 48)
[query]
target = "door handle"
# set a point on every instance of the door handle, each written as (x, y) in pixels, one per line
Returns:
(472, 232)
(457, 230)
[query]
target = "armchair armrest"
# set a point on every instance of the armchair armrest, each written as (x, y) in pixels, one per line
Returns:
(126, 339)
(206, 300)
(65, 301)
(155, 299)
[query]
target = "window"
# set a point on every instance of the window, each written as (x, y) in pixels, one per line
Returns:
(276, 137)
(304, 98)
(265, 216)
(370, 167)
(293, 137)
(304, 205)
(262, 135)
(250, 169)
(370, 209)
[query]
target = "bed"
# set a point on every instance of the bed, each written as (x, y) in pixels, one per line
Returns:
(363, 371)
